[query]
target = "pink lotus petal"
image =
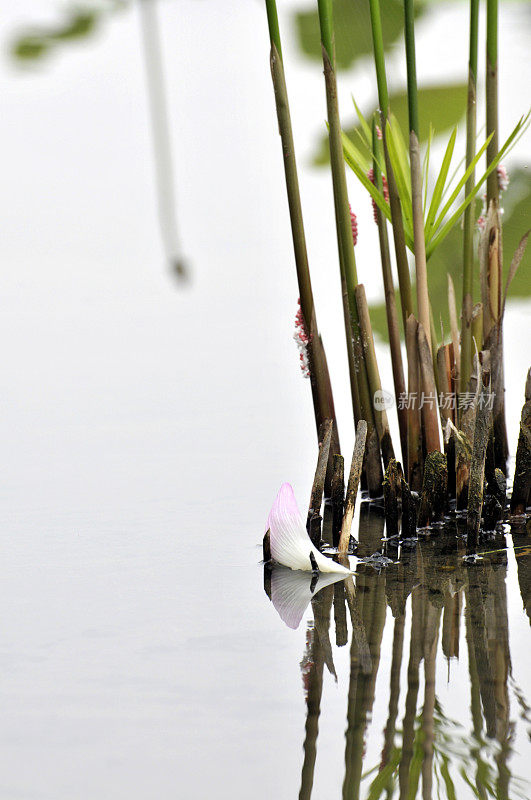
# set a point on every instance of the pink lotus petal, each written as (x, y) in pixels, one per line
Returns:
(290, 543)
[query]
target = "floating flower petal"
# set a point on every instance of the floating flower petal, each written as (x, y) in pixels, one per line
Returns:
(290, 543)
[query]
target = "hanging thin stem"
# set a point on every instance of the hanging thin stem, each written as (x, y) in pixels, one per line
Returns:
(160, 130)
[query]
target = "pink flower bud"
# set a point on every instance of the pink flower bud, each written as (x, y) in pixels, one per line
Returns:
(302, 340)
(354, 226)
(385, 187)
(503, 177)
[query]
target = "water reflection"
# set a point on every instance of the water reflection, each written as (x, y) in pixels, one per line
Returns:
(433, 594)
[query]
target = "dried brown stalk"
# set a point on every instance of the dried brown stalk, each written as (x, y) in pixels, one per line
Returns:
(352, 487)
(452, 308)
(430, 419)
(373, 374)
(392, 487)
(521, 497)
(477, 464)
(316, 497)
(434, 489)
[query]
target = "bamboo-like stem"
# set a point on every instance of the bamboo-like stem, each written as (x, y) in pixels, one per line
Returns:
(392, 492)
(452, 310)
(379, 56)
(493, 191)
(492, 98)
(446, 384)
(423, 302)
(338, 497)
(446, 390)
(465, 441)
(346, 247)
(404, 278)
(274, 29)
(316, 497)
(412, 96)
(390, 305)
(373, 374)
(319, 377)
(521, 496)
(477, 465)
(476, 327)
(491, 273)
(352, 487)
(469, 217)
(434, 346)
(429, 409)
(491, 261)
(434, 495)
(414, 438)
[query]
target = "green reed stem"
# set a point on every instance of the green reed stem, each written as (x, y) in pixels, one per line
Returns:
(344, 236)
(379, 56)
(423, 301)
(492, 97)
(412, 95)
(319, 377)
(390, 302)
(274, 29)
(344, 229)
(469, 218)
(404, 278)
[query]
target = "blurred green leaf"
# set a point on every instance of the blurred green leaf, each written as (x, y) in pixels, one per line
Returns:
(516, 203)
(441, 106)
(352, 25)
(78, 23)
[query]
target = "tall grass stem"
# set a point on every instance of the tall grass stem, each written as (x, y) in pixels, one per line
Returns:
(319, 377)
(404, 278)
(469, 217)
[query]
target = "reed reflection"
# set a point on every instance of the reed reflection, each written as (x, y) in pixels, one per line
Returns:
(434, 595)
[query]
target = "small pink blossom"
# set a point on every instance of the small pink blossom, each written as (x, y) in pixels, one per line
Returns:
(481, 223)
(379, 132)
(503, 177)
(385, 187)
(354, 226)
(302, 340)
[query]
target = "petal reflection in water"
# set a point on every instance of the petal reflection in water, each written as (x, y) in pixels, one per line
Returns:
(291, 592)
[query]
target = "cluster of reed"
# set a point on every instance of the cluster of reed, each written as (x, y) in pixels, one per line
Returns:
(454, 401)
